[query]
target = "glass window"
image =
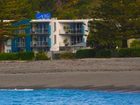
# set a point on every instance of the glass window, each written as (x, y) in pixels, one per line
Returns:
(76, 39)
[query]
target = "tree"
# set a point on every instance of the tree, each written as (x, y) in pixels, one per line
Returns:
(64, 9)
(43, 5)
(75, 9)
(135, 44)
(118, 20)
(12, 11)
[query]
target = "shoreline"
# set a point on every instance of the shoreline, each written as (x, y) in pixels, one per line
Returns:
(102, 88)
(84, 74)
(105, 88)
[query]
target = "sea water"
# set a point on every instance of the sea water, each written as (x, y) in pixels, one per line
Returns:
(67, 97)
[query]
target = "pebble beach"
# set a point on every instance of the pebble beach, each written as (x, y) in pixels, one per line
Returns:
(99, 74)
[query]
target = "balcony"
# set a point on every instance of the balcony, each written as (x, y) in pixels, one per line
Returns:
(21, 44)
(39, 32)
(39, 44)
(71, 32)
(70, 48)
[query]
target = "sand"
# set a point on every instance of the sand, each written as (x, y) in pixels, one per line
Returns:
(101, 74)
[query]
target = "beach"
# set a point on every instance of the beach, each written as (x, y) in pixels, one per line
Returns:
(99, 74)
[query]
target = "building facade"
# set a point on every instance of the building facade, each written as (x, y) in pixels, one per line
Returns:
(22, 39)
(51, 35)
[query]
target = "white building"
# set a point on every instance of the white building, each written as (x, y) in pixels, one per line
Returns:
(58, 35)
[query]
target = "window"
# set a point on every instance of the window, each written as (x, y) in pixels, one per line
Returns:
(76, 39)
(21, 42)
(55, 39)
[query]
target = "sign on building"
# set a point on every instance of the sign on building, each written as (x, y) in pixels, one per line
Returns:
(43, 16)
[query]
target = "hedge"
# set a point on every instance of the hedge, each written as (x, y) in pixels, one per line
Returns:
(103, 53)
(9, 56)
(17, 56)
(131, 52)
(67, 55)
(85, 53)
(107, 53)
(23, 56)
(41, 56)
(26, 55)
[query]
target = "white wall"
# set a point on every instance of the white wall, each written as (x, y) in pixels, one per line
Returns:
(55, 46)
(7, 46)
(86, 32)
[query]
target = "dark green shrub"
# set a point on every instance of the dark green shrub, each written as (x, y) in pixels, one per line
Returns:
(12, 56)
(107, 53)
(26, 55)
(124, 52)
(9, 56)
(67, 55)
(41, 56)
(56, 56)
(114, 53)
(85, 53)
(136, 52)
(103, 53)
(129, 52)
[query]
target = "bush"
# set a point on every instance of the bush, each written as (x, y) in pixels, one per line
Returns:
(9, 56)
(41, 56)
(67, 55)
(107, 53)
(103, 53)
(136, 52)
(56, 56)
(12, 56)
(26, 55)
(129, 52)
(135, 44)
(92, 53)
(17, 56)
(85, 53)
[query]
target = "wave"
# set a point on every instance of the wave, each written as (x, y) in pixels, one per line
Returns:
(16, 89)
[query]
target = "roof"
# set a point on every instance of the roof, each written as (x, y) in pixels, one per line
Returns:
(61, 21)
